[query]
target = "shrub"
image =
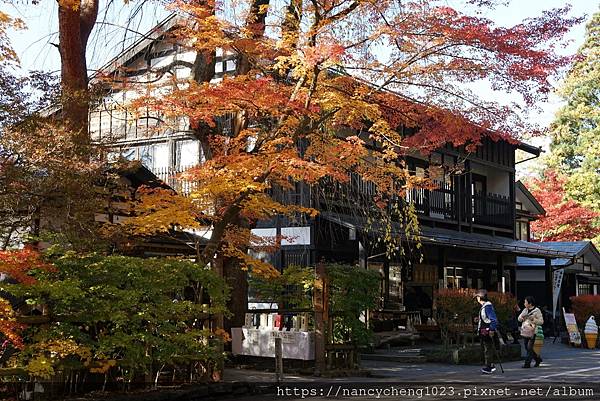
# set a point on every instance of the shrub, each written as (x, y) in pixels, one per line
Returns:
(291, 289)
(353, 290)
(585, 306)
(457, 306)
(132, 314)
(455, 303)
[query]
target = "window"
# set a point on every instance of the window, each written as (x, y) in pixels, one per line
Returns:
(230, 65)
(522, 230)
(126, 153)
(455, 277)
(188, 153)
(584, 289)
(155, 157)
(161, 155)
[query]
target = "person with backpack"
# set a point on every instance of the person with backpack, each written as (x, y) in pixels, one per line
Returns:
(487, 324)
(531, 317)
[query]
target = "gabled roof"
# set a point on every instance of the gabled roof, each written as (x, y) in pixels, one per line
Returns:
(523, 189)
(138, 46)
(575, 249)
(534, 150)
(141, 175)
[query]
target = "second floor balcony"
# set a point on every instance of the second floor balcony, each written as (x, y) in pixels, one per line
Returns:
(477, 207)
(452, 202)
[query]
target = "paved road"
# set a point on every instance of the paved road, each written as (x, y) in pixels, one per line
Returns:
(567, 373)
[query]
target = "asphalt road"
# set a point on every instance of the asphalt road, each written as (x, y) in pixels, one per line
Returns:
(567, 373)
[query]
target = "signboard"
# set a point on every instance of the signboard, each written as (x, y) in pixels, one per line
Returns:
(556, 284)
(571, 323)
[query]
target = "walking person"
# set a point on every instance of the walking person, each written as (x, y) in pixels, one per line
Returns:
(531, 317)
(486, 327)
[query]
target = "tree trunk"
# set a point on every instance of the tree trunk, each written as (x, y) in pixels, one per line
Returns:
(75, 26)
(203, 71)
(238, 304)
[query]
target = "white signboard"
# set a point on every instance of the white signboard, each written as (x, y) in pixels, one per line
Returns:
(571, 323)
(556, 284)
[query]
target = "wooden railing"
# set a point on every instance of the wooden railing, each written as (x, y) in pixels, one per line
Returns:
(441, 202)
(171, 177)
(491, 210)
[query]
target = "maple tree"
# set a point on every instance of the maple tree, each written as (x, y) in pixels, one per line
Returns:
(565, 218)
(320, 86)
(20, 267)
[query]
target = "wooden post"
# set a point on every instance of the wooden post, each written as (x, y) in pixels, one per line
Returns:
(458, 200)
(469, 194)
(219, 323)
(499, 273)
(320, 303)
(548, 278)
(278, 360)
(441, 268)
(487, 277)
(513, 204)
(513, 280)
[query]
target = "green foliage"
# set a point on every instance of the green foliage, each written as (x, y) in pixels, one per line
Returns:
(575, 147)
(291, 289)
(352, 290)
(137, 313)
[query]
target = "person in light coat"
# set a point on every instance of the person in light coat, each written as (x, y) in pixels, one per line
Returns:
(531, 317)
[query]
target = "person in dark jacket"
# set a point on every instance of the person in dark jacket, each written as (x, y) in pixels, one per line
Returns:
(486, 327)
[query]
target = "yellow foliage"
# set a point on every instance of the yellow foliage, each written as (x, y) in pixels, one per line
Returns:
(50, 353)
(102, 366)
(41, 366)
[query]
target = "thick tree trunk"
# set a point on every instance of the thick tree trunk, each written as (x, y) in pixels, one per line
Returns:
(237, 279)
(203, 71)
(75, 26)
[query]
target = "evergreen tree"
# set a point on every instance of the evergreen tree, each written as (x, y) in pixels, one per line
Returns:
(575, 148)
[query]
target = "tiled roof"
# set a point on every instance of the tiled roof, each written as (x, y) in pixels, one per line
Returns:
(574, 249)
(457, 239)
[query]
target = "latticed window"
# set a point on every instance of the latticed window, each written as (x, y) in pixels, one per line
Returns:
(585, 289)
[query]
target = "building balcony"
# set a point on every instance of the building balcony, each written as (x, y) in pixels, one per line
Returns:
(446, 203)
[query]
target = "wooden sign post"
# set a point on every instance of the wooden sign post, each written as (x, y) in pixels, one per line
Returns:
(278, 359)
(321, 307)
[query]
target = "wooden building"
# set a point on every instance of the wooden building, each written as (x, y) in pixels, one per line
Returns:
(472, 224)
(580, 273)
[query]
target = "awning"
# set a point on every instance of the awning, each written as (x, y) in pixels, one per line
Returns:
(458, 239)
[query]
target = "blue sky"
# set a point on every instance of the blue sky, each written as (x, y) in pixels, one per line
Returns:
(34, 46)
